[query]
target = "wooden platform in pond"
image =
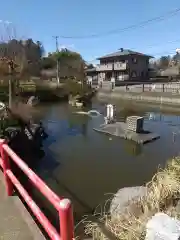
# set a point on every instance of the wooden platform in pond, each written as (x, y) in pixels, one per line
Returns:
(119, 129)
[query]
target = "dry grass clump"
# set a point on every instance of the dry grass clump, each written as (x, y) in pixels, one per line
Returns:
(163, 193)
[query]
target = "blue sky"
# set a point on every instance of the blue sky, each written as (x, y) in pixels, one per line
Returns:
(41, 20)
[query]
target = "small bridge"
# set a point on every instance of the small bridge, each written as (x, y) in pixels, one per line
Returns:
(10, 215)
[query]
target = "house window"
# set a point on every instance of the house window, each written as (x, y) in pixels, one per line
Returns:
(134, 60)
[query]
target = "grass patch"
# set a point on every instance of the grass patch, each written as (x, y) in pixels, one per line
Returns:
(163, 193)
(74, 88)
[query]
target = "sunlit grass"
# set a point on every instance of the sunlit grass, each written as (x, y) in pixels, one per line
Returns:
(163, 191)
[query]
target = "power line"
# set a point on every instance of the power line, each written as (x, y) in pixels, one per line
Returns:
(155, 54)
(131, 27)
(164, 53)
(170, 52)
(160, 44)
(151, 46)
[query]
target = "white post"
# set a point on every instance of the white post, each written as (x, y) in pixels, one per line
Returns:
(90, 81)
(110, 112)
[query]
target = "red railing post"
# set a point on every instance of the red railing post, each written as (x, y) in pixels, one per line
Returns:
(66, 220)
(6, 166)
(64, 206)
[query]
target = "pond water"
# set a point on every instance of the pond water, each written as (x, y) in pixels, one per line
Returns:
(88, 167)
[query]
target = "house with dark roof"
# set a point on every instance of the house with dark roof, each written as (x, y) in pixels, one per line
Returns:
(123, 65)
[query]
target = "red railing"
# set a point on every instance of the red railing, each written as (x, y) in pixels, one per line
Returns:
(63, 206)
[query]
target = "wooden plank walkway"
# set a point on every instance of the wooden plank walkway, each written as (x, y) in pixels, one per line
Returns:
(119, 129)
(15, 221)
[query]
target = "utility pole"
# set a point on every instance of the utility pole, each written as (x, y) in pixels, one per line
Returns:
(11, 72)
(57, 63)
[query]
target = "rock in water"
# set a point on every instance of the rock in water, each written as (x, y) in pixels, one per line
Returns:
(162, 227)
(123, 200)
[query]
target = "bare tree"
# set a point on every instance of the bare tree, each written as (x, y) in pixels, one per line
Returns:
(18, 59)
(8, 54)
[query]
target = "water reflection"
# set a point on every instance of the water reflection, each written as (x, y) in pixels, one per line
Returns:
(84, 165)
(132, 148)
(160, 117)
(171, 122)
(79, 123)
(170, 119)
(85, 129)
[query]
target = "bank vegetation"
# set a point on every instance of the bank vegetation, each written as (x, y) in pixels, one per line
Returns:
(24, 68)
(163, 194)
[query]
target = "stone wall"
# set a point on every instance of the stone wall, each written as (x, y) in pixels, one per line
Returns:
(167, 100)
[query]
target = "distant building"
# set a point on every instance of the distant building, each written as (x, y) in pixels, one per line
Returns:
(92, 73)
(123, 65)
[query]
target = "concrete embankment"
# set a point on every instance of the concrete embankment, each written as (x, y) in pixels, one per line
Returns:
(146, 97)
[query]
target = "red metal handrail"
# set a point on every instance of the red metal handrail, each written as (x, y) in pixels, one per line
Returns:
(63, 206)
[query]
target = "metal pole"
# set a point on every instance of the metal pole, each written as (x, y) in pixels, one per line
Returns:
(57, 63)
(10, 85)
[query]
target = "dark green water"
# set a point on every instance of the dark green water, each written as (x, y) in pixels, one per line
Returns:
(88, 167)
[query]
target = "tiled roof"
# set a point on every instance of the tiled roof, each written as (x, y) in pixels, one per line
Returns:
(91, 70)
(123, 52)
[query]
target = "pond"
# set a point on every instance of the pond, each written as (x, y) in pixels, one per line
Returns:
(88, 167)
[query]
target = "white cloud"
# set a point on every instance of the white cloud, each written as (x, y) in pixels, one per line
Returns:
(68, 46)
(5, 22)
